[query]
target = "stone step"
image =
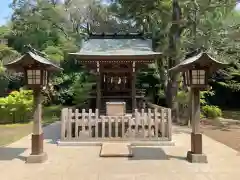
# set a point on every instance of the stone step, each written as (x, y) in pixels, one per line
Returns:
(116, 150)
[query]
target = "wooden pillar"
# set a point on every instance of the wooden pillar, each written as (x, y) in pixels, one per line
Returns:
(133, 87)
(98, 88)
(37, 155)
(196, 155)
(195, 110)
(196, 136)
(190, 108)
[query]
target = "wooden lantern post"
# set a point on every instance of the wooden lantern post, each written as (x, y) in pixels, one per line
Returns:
(196, 71)
(36, 69)
(196, 78)
(36, 77)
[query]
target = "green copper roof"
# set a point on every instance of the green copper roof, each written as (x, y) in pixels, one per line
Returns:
(118, 47)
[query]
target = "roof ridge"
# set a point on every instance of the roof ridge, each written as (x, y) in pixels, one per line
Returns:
(103, 35)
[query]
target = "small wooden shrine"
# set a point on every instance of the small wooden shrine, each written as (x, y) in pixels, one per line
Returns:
(115, 59)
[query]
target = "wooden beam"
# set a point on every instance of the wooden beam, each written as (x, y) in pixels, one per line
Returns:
(133, 87)
(138, 35)
(98, 100)
(116, 70)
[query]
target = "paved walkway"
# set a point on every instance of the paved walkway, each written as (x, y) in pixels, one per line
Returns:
(148, 163)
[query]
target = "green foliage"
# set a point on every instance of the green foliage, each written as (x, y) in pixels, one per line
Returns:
(66, 87)
(7, 54)
(16, 107)
(54, 53)
(212, 112)
(41, 24)
(81, 92)
(204, 95)
(4, 31)
(51, 114)
(57, 29)
(182, 97)
(81, 89)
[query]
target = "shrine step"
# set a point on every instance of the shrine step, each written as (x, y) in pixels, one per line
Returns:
(116, 150)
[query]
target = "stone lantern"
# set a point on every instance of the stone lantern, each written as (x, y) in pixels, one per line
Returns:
(196, 70)
(36, 69)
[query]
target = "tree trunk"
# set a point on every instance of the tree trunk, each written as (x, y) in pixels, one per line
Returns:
(175, 33)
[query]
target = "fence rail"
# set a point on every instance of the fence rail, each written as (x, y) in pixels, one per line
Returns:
(144, 124)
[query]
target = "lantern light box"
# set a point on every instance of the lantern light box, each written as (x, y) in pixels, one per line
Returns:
(37, 77)
(195, 77)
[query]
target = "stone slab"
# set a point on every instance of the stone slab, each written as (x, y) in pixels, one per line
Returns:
(100, 142)
(116, 150)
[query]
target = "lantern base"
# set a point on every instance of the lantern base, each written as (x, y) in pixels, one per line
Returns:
(39, 158)
(196, 158)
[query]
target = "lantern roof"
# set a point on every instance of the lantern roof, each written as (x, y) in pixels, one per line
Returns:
(30, 58)
(201, 60)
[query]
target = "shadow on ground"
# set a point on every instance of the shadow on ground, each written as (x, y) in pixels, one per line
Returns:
(152, 153)
(52, 132)
(182, 130)
(9, 153)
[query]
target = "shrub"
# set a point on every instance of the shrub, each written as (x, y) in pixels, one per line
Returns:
(213, 112)
(16, 107)
(182, 97)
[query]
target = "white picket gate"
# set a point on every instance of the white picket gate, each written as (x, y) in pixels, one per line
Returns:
(146, 124)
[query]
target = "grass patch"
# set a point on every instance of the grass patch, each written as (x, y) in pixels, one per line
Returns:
(51, 114)
(12, 132)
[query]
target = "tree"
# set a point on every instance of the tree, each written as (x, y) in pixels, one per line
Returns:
(7, 54)
(54, 53)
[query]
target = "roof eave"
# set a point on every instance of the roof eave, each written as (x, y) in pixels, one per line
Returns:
(15, 65)
(183, 66)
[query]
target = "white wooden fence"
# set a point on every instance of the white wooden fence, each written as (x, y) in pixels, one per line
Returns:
(146, 124)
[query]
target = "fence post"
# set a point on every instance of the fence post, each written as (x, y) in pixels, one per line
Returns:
(169, 121)
(64, 115)
(149, 122)
(123, 126)
(76, 123)
(136, 122)
(69, 120)
(116, 126)
(90, 122)
(83, 121)
(143, 118)
(96, 123)
(162, 123)
(156, 122)
(103, 119)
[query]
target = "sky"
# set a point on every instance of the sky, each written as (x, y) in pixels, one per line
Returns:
(5, 11)
(238, 6)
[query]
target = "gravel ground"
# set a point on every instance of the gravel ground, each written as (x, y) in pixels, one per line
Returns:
(228, 134)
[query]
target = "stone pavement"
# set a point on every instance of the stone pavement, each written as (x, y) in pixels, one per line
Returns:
(148, 163)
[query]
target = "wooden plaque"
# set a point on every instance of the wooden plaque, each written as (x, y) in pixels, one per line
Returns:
(116, 108)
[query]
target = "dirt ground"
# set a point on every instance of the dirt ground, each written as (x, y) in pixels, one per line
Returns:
(228, 134)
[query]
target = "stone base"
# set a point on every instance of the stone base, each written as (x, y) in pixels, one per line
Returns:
(196, 158)
(40, 158)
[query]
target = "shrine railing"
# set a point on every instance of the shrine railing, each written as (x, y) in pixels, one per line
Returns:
(144, 124)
